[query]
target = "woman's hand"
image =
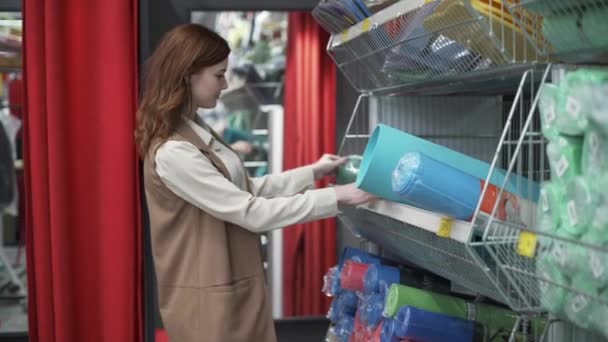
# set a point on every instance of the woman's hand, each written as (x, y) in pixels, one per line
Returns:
(349, 194)
(327, 165)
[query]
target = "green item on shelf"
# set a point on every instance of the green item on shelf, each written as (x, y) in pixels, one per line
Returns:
(552, 296)
(488, 315)
(599, 220)
(577, 206)
(566, 253)
(599, 314)
(595, 26)
(574, 106)
(551, 195)
(550, 96)
(595, 263)
(599, 107)
(594, 160)
(564, 154)
(579, 303)
(347, 173)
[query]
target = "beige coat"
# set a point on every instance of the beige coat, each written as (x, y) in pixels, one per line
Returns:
(210, 277)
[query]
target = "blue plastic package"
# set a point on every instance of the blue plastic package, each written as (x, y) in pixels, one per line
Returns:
(347, 303)
(388, 331)
(374, 308)
(423, 325)
(344, 328)
(432, 185)
(357, 255)
(380, 273)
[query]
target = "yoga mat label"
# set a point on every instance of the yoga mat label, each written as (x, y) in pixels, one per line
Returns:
(573, 107)
(550, 114)
(596, 265)
(572, 215)
(526, 244)
(579, 303)
(562, 166)
(544, 200)
(445, 227)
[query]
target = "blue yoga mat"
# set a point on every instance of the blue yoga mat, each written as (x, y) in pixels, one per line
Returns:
(387, 145)
(434, 186)
(421, 325)
(379, 273)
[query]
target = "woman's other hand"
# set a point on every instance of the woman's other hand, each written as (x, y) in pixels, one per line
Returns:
(349, 194)
(327, 165)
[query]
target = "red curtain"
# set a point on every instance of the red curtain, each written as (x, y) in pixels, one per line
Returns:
(310, 91)
(83, 222)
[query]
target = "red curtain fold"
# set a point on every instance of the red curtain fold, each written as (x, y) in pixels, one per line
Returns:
(310, 91)
(82, 212)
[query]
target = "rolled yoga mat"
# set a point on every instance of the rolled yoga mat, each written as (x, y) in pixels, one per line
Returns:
(351, 275)
(549, 203)
(422, 325)
(594, 161)
(564, 154)
(552, 297)
(548, 104)
(578, 206)
(387, 145)
(347, 173)
(599, 107)
(357, 255)
(371, 314)
(490, 316)
(379, 278)
(579, 305)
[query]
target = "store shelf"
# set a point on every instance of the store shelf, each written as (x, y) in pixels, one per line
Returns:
(411, 43)
(576, 30)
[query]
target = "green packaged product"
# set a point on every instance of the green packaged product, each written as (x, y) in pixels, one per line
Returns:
(594, 162)
(599, 314)
(564, 154)
(550, 95)
(566, 253)
(599, 107)
(578, 206)
(552, 296)
(599, 219)
(574, 105)
(347, 173)
(595, 263)
(551, 196)
(579, 303)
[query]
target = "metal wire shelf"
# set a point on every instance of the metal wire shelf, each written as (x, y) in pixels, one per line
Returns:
(576, 30)
(436, 40)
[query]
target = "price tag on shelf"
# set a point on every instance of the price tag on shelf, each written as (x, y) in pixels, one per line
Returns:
(365, 25)
(445, 227)
(526, 244)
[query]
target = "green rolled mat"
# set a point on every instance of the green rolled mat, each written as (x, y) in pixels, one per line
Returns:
(579, 305)
(347, 173)
(552, 297)
(566, 254)
(550, 97)
(595, 264)
(599, 107)
(578, 206)
(564, 154)
(574, 105)
(595, 26)
(563, 33)
(551, 196)
(599, 219)
(594, 162)
(490, 316)
(599, 314)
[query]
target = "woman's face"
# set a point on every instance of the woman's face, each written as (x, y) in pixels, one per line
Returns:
(207, 84)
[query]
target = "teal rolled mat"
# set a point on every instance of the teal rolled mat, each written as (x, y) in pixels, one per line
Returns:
(551, 197)
(594, 162)
(563, 33)
(490, 316)
(387, 145)
(578, 206)
(347, 173)
(579, 305)
(564, 154)
(548, 105)
(552, 297)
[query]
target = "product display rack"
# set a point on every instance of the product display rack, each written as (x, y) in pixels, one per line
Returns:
(446, 47)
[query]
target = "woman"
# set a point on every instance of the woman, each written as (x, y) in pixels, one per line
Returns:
(205, 212)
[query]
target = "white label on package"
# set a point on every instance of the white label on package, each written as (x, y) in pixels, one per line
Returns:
(544, 200)
(572, 215)
(594, 144)
(562, 166)
(573, 107)
(579, 303)
(550, 114)
(596, 264)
